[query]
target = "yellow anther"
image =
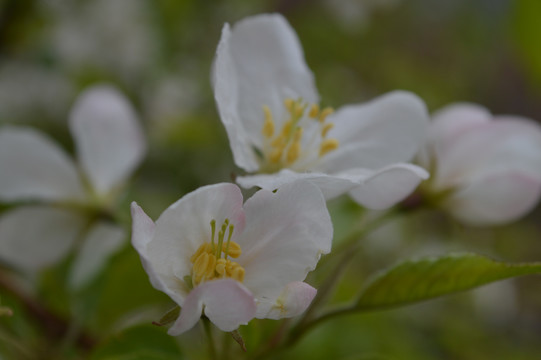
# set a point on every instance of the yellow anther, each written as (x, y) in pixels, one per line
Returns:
(289, 103)
(234, 250)
(326, 128)
(294, 150)
(276, 155)
(220, 266)
(200, 266)
(238, 273)
(206, 247)
(286, 129)
(209, 273)
(299, 110)
(268, 125)
(314, 111)
(328, 145)
(324, 113)
(279, 142)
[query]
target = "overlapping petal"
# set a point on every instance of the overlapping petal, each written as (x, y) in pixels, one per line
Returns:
(33, 237)
(382, 132)
(227, 303)
(285, 234)
(293, 301)
(109, 140)
(258, 62)
(32, 167)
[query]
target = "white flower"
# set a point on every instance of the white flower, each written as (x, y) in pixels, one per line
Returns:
(209, 252)
(485, 169)
(109, 144)
(268, 102)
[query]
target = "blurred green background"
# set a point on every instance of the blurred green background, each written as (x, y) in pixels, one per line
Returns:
(159, 52)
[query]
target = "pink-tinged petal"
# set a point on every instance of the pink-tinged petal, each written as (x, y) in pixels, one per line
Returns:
(143, 229)
(387, 186)
(259, 62)
(109, 139)
(285, 234)
(33, 237)
(503, 145)
(185, 225)
(293, 301)
(34, 167)
(384, 131)
(227, 303)
(102, 241)
(495, 199)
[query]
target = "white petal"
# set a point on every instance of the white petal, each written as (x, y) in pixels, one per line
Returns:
(109, 140)
(227, 303)
(385, 131)
(259, 62)
(142, 233)
(185, 226)
(330, 185)
(34, 167)
(293, 301)
(33, 237)
(503, 145)
(495, 199)
(387, 186)
(102, 241)
(285, 234)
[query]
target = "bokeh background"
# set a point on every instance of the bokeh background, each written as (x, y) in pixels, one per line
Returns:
(159, 53)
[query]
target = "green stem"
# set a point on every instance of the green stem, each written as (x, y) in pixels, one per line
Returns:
(208, 332)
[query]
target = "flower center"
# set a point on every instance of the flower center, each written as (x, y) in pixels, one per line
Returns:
(287, 148)
(208, 263)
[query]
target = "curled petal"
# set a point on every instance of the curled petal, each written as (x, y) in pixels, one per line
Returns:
(285, 234)
(227, 303)
(33, 237)
(110, 143)
(34, 167)
(293, 301)
(259, 62)
(495, 199)
(387, 186)
(384, 131)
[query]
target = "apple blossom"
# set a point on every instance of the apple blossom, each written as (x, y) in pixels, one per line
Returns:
(485, 169)
(63, 200)
(211, 253)
(268, 102)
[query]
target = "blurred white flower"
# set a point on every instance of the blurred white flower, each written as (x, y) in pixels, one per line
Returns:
(485, 169)
(210, 253)
(268, 102)
(70, 197)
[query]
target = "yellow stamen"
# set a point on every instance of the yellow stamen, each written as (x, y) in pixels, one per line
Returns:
(314, 111)
(238, 273)
(294, 150)
(326, 128)
(288, 103)
(268, 125)
(234, 250)
(328, 145)
(299, 110)
(276, 155)
(324, 113)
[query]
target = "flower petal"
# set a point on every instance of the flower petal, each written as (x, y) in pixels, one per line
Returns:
(387, 186)
(182, 228)
(33, 237)
(385, 131)
(495, 199)
(285, 234)
(293, 301)
(102, 241)
(34, 167)
(503, 145)
(259, 62)
(227, 303)
(110, 143)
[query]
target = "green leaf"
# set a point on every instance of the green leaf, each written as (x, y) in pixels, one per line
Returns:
(427, 278)
(140, 342)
